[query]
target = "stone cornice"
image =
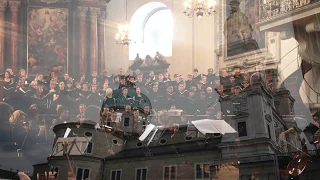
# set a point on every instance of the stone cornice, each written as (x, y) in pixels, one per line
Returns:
(102, 4)
(250, 142)
(56, 1)
(284, 93)
(3, 5)
(251, 60)
(76, 158)
(14, 5)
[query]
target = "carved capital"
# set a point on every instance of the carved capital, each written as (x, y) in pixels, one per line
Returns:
(82, 11)
(3, 5)
(14, 5)
(103, 15)
(94, 12)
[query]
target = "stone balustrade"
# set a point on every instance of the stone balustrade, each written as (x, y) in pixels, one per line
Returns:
(273, 8)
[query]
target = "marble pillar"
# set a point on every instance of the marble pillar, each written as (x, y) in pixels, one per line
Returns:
(101, 41)
(3, 4)
(14, 35)
(94, 12)
(82, 13)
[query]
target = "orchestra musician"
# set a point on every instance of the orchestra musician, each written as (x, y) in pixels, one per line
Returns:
(299, 162)
(300, 126)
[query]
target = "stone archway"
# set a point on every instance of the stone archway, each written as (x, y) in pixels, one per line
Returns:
(150, 32)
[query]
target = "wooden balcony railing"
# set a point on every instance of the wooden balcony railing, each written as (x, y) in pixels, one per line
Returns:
(273, 8)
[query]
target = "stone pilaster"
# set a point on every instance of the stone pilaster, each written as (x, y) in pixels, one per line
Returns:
(14, 34)
(3, 5)
(82, 13)
(101, 41)
(94, 12)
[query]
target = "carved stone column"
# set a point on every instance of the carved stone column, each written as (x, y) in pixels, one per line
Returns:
(14, 8)
(3, 4)
(101, 40)
(82, 12)
(94, 12)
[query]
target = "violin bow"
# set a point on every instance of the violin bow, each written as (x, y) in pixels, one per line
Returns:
(296, 147)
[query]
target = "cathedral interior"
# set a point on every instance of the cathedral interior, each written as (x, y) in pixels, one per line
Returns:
(159, 90)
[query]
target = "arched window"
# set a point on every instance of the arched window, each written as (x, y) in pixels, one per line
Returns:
(151, 28)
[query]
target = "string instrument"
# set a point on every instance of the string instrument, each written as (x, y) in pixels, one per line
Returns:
(299, 162)
(174, 129)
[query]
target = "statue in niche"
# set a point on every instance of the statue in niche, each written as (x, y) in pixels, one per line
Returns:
(238, 31)
(160, 58)
(149, 61)
(137, 62)
(157, 64)
(137, 58)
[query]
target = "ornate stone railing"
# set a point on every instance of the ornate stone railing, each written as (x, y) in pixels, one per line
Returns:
(273, 8)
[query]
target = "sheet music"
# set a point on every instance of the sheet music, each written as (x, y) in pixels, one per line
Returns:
(148, 130)
(213, 126)
(154, 133)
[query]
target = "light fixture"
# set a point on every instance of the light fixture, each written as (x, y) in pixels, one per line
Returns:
(122, 36)
(199, 7)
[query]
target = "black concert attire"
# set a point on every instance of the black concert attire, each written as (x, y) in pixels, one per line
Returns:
(123, 101)
(197, 78)
(108, 102)
(189, 83)
(140, 100)
(224, 80)
(9, 84)
(239, 80)
(94, 99)
(76, 93)
(201, 104)
(190, 107)
(170, 98)
(205, 85)
(140, 83)
(181, 99)
(102, 92)
(84, 94)
(211, 78)
(156, 99)
(102, 78)
(211, 99)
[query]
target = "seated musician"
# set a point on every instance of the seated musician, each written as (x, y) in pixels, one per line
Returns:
(63, 117)
(301, 126)
(112, 120)
(210, 113)
(167, 122)
(124, 99)
(104, 115)
(127, 109)
(138, 124)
